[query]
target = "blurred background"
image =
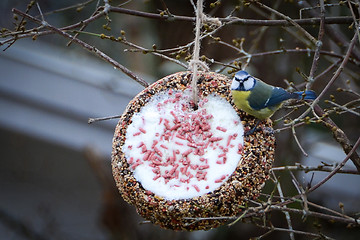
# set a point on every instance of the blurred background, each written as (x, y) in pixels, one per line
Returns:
(55, 173)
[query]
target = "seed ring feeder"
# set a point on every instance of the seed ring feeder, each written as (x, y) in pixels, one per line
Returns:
(186, 168)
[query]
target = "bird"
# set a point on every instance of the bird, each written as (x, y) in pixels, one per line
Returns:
(260, 99)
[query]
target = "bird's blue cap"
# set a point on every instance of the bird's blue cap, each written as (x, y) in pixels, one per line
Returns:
(241, 74)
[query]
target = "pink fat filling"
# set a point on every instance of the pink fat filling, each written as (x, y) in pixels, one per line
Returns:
(184, 150)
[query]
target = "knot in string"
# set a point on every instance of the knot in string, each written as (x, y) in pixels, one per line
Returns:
(212, 21)
(198, 64)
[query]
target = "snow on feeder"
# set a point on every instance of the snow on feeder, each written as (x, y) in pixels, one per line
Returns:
(175, 161)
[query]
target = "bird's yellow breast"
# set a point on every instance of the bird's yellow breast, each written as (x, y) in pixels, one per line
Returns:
(241, 102)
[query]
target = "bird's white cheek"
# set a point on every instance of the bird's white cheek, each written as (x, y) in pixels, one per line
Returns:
(249, 84)
(234, 85)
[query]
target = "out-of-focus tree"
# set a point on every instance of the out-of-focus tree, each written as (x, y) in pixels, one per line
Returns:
(294, 44)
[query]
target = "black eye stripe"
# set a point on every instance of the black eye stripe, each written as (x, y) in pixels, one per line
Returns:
(247, 78)
(243, 80)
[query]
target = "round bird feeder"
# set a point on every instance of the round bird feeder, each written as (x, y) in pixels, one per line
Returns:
(184, 165)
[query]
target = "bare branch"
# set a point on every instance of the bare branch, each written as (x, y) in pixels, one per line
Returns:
(86, 46)
(92, 120)
(290, 20)
(318, 47)
(330, 51)
(235, 20)
(320, 168)
(339, 136)
(297, 140)
(344, 108)
(332, 80)
(287, 215)
(333, 172)
(319, 215)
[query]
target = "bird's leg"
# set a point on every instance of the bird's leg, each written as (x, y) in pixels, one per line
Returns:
(254, 129)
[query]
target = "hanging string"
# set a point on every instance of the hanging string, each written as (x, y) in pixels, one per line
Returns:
(195, 62)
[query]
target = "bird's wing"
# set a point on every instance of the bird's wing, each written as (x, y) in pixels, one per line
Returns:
(278, 95)
(260, 95)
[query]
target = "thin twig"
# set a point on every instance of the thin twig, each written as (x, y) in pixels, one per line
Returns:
(99, 14)
(139, 48)
(339, 136)
(333, 172)
(263, 29)
(301, 192)
(332, 32)
(319, 44)
(313, 205)
(287, 215)
(354, 18)
(327, 70)
(293, 51)
(319, 215)
(272, 229)
(92, 120)
(297, 141)
(81, 29)
(344, 108)
(280, 207)
(236, 20)
(78, 5)
(86, 46)
(332, 80)
(329, 210)
(290, 20)
(320, 168)
(154, 52)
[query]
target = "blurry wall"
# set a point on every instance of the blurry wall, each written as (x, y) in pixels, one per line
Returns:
(46, 97)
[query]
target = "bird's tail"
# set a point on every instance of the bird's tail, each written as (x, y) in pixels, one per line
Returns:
(307, 95)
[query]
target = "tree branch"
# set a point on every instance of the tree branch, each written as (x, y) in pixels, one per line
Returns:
(332, 173)
(236, 20)
(320, 168)
(339, 136)
(319, 44)
(85, 46)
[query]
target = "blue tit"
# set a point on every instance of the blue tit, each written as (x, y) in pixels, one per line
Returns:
(259, 99)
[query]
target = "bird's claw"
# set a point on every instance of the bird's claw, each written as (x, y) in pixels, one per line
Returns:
(252, 131)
